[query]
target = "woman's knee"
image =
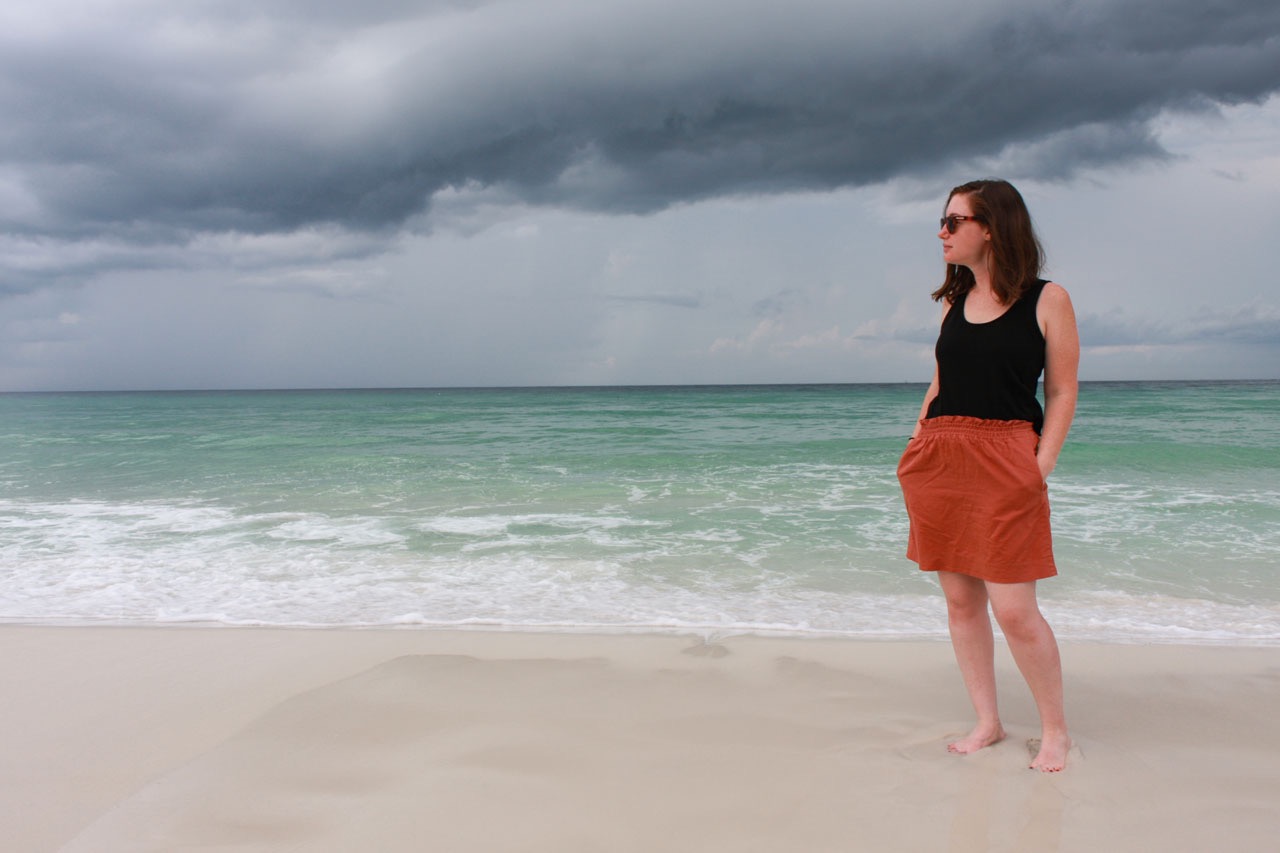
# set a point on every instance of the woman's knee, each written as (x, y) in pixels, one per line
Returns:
(1020, 620)
(966, 598)
(1016, 610)
(966, 608)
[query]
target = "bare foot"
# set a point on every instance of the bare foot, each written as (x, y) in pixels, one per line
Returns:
(1052, 755)
(981, 737)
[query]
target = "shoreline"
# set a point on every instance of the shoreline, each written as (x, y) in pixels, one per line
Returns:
(168, 737)
(1066, 634)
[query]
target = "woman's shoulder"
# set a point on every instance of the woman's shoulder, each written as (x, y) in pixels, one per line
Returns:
(1052, 293)
(1054, 306)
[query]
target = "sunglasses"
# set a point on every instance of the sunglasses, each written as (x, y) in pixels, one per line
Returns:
(952, 222)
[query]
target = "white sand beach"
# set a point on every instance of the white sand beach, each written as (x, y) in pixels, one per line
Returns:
(171, 739)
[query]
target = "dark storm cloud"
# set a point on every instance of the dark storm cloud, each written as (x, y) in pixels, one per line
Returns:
(1252, 325)
(164, 120)
(1119, 329)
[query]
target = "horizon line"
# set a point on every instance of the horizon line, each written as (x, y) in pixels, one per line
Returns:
(584, 387)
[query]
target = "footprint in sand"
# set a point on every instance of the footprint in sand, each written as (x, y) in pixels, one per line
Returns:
(1033, 749)
(707, 650)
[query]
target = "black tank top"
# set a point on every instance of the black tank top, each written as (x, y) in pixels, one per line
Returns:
(990, 370)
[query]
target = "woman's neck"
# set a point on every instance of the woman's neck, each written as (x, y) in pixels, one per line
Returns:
(982, 280)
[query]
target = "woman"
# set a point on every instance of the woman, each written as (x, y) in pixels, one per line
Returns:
(973, 474)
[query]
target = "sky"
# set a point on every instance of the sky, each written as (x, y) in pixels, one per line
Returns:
(320, 193)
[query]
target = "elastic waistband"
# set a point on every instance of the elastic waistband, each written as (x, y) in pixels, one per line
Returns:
(965, 425)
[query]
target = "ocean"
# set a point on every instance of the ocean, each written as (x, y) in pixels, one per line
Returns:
(705, 510)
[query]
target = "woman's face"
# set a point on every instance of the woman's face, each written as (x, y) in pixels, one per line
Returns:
(971, 242)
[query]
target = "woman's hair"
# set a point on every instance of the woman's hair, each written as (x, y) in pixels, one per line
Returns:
(1016, 254)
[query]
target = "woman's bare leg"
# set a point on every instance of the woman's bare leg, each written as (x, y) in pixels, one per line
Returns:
(1035, 650)
(974, 646)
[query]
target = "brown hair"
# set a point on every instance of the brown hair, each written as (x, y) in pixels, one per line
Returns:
(1016, 254)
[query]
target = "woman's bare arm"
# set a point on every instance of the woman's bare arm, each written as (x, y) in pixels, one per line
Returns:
(1061, 368)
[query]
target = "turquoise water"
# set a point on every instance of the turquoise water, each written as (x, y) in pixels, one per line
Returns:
(716, 510)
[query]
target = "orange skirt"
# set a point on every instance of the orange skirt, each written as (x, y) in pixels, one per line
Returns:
(977, 503)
